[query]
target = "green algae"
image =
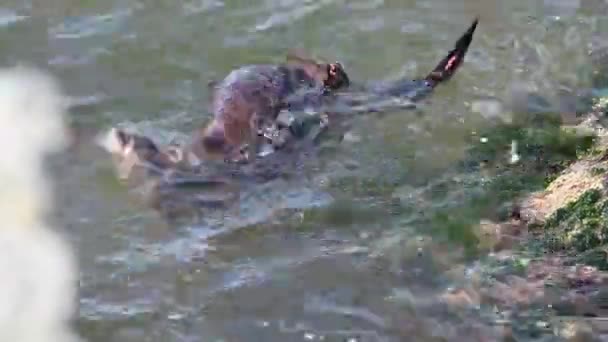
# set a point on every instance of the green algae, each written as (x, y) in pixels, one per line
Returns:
(545, 151)
(579, 229)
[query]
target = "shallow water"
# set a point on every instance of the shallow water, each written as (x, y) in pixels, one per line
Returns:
(335, 253)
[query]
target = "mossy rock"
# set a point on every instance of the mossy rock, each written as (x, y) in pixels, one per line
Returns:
(580, 177)
(545, 151)
(579, 228)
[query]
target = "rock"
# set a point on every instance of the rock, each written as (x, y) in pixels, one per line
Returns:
(516, 291)
(568, 187)
(461, 298)
(351, 164)
(575, 331)
(499, 236)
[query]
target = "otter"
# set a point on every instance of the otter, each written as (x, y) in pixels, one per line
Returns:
(360, 97)
(250, 98)
(254, 87)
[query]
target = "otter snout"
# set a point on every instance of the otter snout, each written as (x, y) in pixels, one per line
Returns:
(130, 151)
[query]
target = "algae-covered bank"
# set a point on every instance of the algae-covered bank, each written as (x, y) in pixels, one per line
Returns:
(543, 218)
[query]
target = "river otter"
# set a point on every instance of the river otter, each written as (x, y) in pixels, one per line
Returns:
(130, 152)
(251, 97)
(179, 166)
(378, 96)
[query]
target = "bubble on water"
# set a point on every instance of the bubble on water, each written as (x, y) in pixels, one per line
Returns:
(309, 336)
(174, 316)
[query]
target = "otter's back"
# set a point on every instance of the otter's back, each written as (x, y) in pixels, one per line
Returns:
(247, 91)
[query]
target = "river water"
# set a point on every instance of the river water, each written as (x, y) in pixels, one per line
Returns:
(332, 255)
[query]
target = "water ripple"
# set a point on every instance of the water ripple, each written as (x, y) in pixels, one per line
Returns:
(8, 17)
(291, 15)
(88, 26)
(201, 6)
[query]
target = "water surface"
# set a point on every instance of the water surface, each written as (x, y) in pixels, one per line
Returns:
(335, 254)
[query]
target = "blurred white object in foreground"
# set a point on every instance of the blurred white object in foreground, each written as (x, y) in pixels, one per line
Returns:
(37, 268)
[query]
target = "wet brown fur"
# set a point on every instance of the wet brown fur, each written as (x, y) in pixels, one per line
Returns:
(252, 96)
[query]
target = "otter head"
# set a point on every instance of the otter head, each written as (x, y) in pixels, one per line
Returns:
(130, 150)
(331, 75)
(336, 76)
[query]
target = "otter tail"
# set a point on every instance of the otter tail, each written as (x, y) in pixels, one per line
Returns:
(450, 63)
(415, 90)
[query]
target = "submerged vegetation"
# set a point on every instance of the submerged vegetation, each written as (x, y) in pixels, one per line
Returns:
(543, 152)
